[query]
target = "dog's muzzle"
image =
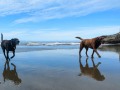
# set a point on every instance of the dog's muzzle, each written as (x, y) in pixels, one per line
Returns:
(18, 42)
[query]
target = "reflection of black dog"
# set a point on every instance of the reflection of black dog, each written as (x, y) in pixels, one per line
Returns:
(11, 74)
(9, 45)
(91, 71)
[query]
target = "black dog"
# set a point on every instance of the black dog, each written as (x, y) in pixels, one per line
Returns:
(9, 45)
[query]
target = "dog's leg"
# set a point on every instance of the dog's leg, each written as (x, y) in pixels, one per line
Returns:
(13, 54)
(81, 66)
(95, 66)
(92, 54)
(87, 63)
(8, 55)
(4, 53)
(95, 50)
(97, 53)
(5, 66)
(86, 51)
(81, 47)
(93, 62)
(14, 69)
(80, 51)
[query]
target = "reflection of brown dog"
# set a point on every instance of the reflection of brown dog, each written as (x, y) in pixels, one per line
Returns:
(93, 43)
(9, 74)
(91, 71)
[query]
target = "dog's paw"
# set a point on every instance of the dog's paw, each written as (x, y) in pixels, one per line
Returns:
(99, 56)
(11, 57)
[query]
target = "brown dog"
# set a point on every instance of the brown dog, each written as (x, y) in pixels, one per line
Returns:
(93, 43)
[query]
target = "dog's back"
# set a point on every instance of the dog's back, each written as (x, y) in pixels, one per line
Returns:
(90, 42)
(6, 44)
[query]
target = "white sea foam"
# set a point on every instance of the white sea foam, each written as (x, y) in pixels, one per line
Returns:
(49, 43)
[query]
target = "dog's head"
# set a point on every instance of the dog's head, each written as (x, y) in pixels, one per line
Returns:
(101, 38)
(15, 41)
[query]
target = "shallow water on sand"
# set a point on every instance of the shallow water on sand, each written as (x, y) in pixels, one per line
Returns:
(60, 69)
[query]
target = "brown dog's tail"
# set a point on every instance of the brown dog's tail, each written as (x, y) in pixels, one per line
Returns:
(79, 38)
(1, 37)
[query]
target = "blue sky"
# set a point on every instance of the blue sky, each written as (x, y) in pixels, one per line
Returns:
(58, 20)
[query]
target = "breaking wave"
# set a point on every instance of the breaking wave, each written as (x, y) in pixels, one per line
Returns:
(49, 43)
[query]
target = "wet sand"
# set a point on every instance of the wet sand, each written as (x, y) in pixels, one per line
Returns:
(60, 69)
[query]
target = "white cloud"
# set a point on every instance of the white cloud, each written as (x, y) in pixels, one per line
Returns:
(61, 35)
(37, 10)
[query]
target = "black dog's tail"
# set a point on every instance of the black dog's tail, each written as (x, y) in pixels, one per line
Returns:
(1, 37)
(79, 38)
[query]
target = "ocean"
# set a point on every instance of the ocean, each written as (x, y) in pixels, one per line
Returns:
(58, 67)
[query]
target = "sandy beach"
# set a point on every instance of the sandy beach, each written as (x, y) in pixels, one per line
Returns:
(59, 68)
(43, 38)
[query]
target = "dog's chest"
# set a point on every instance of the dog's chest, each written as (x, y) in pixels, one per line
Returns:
(97, 44)
(10, 47)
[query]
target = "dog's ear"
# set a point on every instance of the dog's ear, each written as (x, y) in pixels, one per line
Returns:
(13, 41)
